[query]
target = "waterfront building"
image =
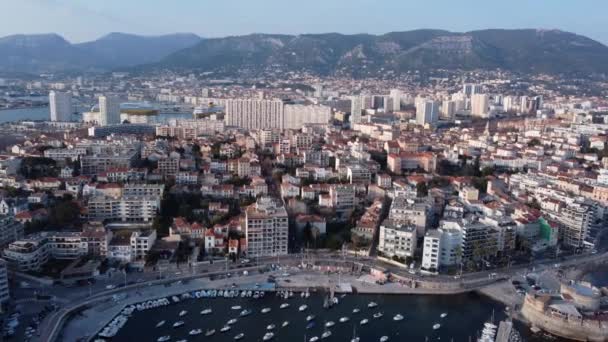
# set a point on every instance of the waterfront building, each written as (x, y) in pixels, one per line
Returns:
(266, 228)
(397, 239)
(60, 106)
(28, 254)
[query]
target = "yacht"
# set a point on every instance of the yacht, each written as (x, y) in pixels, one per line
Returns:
(326, 334)
(384, 338)
(232, 321)
(225, 328)
(195, 332)
(436, 326)
(364, 321)
(398, 317)
(330, 324)
(286, 323)
(268, 336)
(372, 305)
(378, 314)
(239, 336)
(160, 324)
(164, 338)
(183, 313)
(303, 307)
(310, 318)
(265, 310)
(206, 312)
(271, 327)
(209, 332)
(178, 324)
(344, 319)
(284, 306)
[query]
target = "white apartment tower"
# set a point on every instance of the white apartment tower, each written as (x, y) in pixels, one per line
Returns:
(60, 106)
(356, 107)
(254, 114)
(480, 104)
(109, 110)
(427, 111)
(266, 228)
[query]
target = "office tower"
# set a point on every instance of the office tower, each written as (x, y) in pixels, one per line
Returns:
(356, 108)
(395, 94)
(470, 89)
(480, 104)
(427, 111)
(109, 110)
(60, 106)
(448, 110)
(254, 114)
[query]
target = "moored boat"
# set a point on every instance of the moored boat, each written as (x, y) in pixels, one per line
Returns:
(195, 332)
(163, 338)
(239, 336)
(398, 317)
(178, 324)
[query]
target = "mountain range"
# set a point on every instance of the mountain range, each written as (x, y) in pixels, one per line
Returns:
(523, 50)
(52, 53)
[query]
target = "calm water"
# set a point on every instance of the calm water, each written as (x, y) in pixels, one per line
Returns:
(42, 113)
(598, 277)
(466, 315)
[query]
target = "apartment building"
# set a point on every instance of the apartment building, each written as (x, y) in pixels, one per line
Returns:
(266, 228)
(168, 166)
(28, 254)
(10, 230)
(255, 114)
(96, 164)
(125, 209)
(143, 189)
(397, 239)
(4, 289)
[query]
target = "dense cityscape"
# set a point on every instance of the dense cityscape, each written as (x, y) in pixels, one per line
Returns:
(415, 185)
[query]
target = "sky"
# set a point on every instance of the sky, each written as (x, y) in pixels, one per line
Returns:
(83, 20)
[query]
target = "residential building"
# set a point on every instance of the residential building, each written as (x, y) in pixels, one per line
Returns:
(28, 254)
(60, 106)
(254, 114)
(266, 228)
(4, 289)
(109, 110)
(427, 111)
(397, 239)
(10, 230)
(480, 105)
(125, 209)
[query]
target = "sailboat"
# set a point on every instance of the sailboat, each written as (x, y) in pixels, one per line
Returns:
(355, 338)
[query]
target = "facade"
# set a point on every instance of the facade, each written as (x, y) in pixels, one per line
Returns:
(255, 114)
(99, 163)
(109, 110)
(266, 228)
(10, 230)
(125, 209)
(4, 289)
(480, 105)
(28, 254)
(356, 108)
(60, 106)
(298, 115)
(578, 220)
(397, 239)
(431, 251)
(427, 111)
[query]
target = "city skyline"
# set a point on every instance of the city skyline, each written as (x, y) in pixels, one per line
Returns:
(81, 21)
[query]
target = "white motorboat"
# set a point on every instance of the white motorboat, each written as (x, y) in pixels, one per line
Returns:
(372, 305)
(364, 321)
(232, 321)
(239, 336)
(330, 324)
(398, 317)
(344, 319)
(178, 324)
(271, 327)
(443, 315)
(236, 307)
(378, 314)
(195, 332)
(265, 310)
(225, 328)
(356, 310)
(326, 334)
(286, 323)
(303, 307)
(209, 332)
(206, 312)
(284, 306)
(310, 318)
(436, 326)
(268, 336)
(245, 312)
(314, 339)
(384, 338)
(163, 338)
(183, 313)
(160, 324)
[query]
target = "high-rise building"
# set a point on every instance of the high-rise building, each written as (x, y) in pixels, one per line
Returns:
(427, 111)
(356, 108)
(266, 228)
(254, 114)
(60, 106)
(297, 115)
(109, 110)
(480, 105)
(4, 294)
(396, 95)
(448, 110)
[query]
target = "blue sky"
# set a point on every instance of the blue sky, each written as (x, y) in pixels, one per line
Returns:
(81, 20)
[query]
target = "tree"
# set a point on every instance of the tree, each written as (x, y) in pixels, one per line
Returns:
(422, 189)
(64, 213)
(534, 142)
